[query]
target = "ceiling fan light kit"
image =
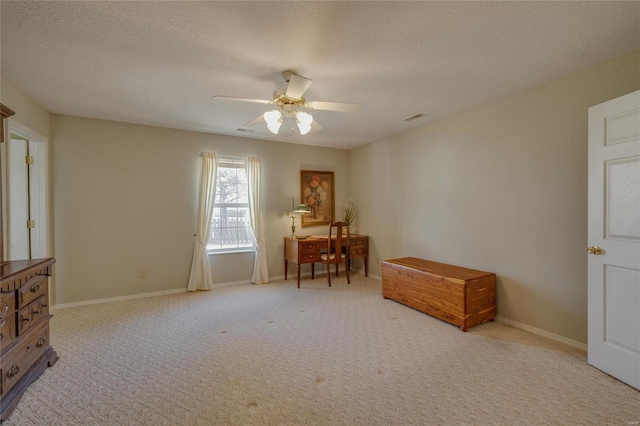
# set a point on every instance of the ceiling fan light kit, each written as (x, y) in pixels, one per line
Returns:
(304, 121)
(274, 119)
(291, 103)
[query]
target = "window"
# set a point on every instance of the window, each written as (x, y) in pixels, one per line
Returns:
(231, 223)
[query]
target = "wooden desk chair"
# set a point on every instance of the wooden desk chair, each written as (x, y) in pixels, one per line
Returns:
(334, 254)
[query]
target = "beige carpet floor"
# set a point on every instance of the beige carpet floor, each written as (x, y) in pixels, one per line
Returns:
(278, 355)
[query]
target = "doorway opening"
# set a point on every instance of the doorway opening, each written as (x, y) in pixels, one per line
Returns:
(26, 194)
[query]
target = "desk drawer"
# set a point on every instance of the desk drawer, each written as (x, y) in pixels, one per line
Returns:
(358, 247)
(358, 242)
(310, 251)
(310, 256)
(307, 246)
(357, 252)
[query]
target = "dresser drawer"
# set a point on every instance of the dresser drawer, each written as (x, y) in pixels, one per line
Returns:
(39, 308)
(17, 361)
(7, 304)
(34, 288)
(7, 331)
(7, 318)
(30, 314)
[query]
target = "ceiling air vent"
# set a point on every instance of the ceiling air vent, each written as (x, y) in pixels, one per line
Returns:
(245, 130)
(413, 117)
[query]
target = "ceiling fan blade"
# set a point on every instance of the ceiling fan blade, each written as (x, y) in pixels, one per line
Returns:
(315, 126)
(297, 86)
(232, 98)
(259, 119)
(334, 106)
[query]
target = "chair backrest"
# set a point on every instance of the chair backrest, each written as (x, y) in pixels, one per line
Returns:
(336, 229)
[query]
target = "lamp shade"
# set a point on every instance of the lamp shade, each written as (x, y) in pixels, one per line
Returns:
(301, 209)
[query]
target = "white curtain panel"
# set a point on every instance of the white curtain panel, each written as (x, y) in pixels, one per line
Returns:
(254, 170)
(200, 278)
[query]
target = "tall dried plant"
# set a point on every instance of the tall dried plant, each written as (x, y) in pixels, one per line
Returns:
(349, 212)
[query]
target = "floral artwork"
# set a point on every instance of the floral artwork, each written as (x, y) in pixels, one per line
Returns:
(317, 193)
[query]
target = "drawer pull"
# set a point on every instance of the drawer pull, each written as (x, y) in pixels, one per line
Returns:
(41, 342)
(35, 287)
(4, 308)
(1, 336)
(15, 369)
(26, 319)
(34, 312)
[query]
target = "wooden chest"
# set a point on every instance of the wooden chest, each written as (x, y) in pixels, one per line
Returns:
(460, 296)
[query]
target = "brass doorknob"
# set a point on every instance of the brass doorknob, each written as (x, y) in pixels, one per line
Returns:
(594, 250)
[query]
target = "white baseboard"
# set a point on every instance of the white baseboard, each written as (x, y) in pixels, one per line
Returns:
(231, 283)
(543, 333)
(139, 296)
(117, 299)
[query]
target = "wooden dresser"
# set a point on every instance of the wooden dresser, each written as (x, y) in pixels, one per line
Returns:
(24, 328)
(460, 296)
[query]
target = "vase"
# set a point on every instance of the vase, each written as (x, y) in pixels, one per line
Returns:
(315, 211)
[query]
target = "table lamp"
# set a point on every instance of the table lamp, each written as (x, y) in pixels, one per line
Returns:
(296, 212)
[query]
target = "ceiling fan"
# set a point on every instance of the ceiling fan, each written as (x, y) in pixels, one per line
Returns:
(290, 103)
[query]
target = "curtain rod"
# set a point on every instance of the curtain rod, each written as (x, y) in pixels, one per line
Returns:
(200, 153)
(223, 157)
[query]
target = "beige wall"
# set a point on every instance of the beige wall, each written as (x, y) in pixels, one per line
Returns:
(126, 196)
(501, 187)
(28, 112)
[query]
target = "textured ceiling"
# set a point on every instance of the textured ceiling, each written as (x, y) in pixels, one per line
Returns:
(160, 63)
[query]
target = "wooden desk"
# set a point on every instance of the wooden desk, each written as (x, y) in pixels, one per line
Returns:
(308, 251)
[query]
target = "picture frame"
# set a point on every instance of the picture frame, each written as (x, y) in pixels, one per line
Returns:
(317, 191)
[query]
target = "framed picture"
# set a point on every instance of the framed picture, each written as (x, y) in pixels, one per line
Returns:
(317, 191)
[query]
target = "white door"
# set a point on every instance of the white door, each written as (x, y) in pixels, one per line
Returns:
(18, 204)
(614, 238)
